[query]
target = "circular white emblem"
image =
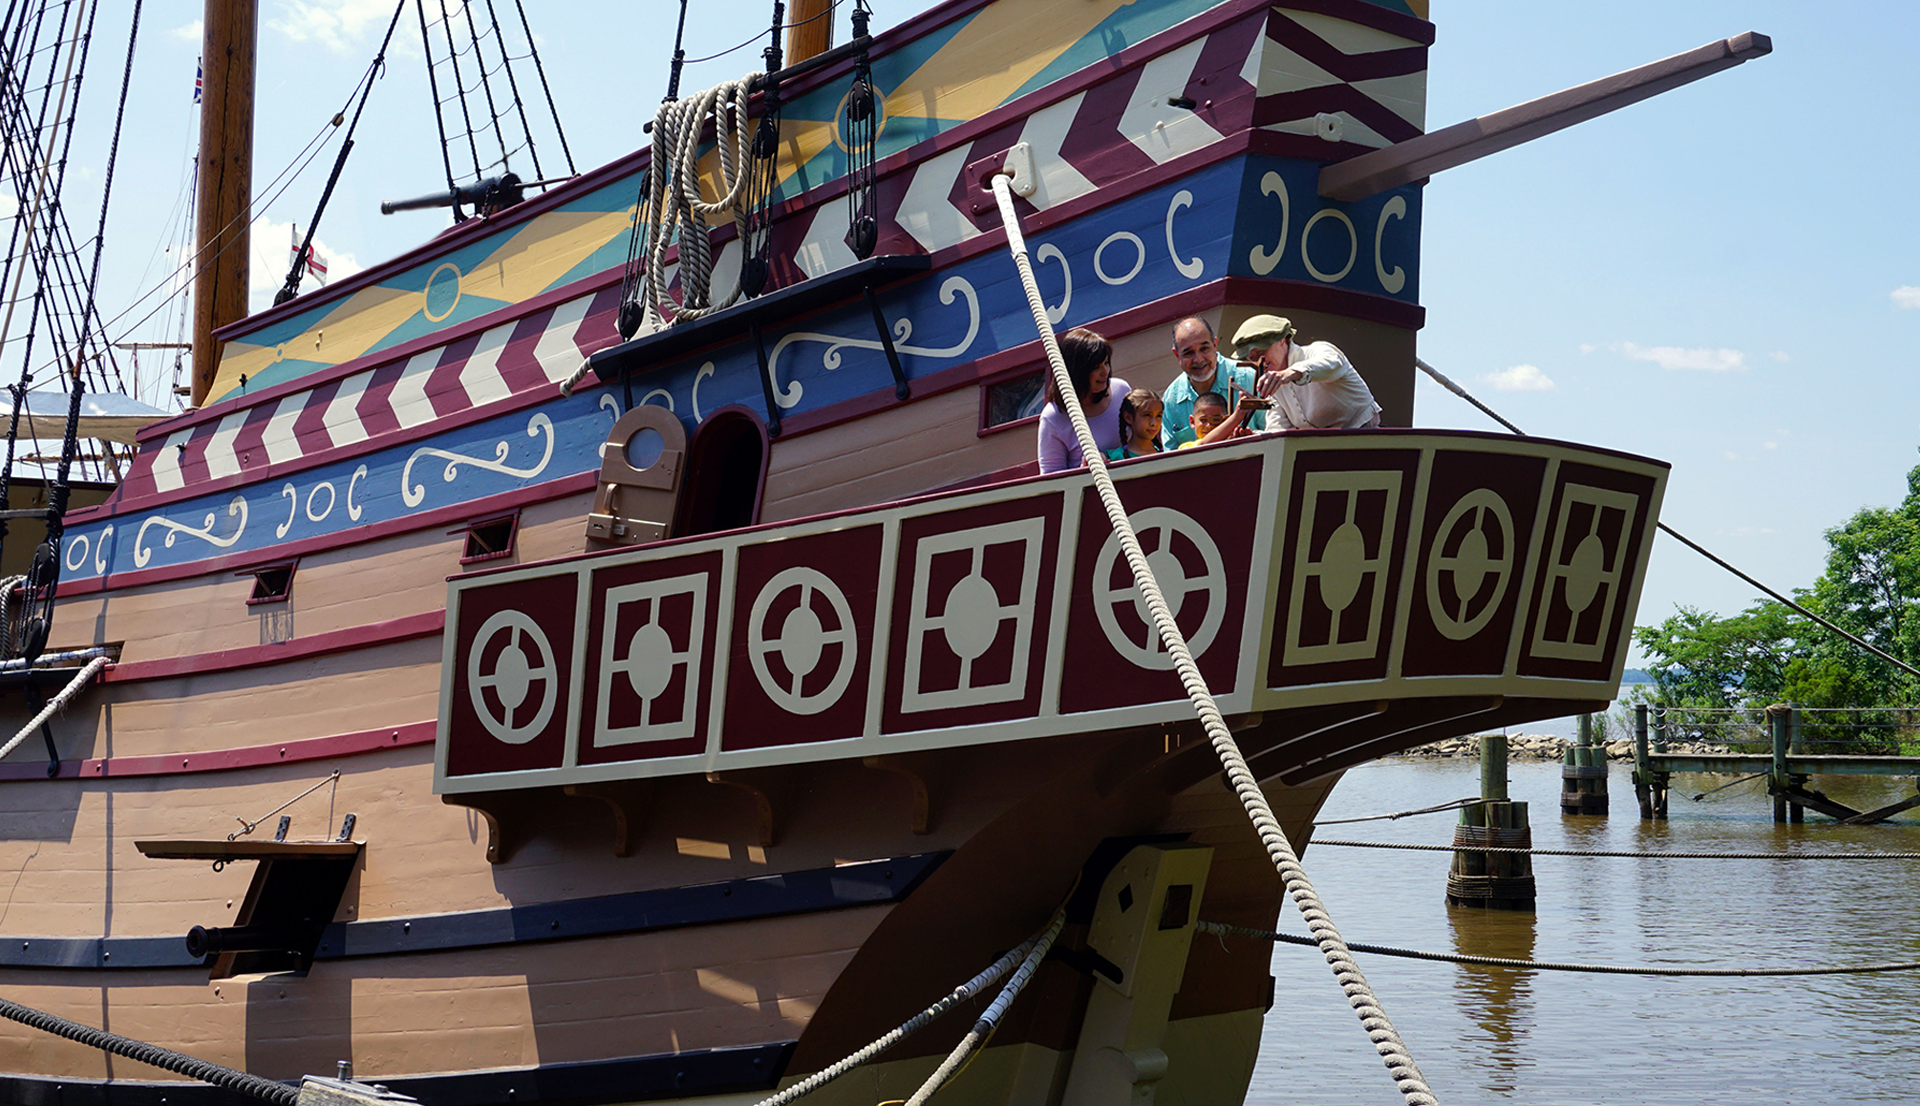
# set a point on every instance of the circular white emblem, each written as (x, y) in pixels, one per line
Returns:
(1175, 530)
(804, 636)
(1470, 562)
(513, 676)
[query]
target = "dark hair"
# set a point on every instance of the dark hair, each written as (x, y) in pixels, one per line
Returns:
(1134, 401)
(1084, 352)
(1209, 399)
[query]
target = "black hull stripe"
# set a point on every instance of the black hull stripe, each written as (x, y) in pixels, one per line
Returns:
(632, 1079)
(862, 884)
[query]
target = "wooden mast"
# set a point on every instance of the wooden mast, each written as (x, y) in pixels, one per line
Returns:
(809, 29)
(226, 180)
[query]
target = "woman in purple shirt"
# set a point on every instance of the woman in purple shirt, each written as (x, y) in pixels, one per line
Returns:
(1089, 360)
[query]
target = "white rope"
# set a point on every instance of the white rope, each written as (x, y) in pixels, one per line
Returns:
(907, 1028)
(6, 628)
(54, 704)
(1386, 1041)
(572, 382)
(677, 211)
(984, 1026)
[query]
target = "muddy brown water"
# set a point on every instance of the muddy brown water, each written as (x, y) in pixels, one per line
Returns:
(1483, 1034)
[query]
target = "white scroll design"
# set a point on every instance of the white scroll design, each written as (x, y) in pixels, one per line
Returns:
(102, 552)
(790, 395)
(236, 509)
(1192, 268)
(1049, 250)
(415, 494)
(293, 506)
(354, 509)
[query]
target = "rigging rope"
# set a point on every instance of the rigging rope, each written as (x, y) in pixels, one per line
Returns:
(676, 211)
(73, 688)
(1386, 1040)
(1689, 542)
(989, 1019)
(1221, 929)
(206, 1071)
(908, 1028)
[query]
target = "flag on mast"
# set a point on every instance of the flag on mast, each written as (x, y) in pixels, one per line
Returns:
(199, 74)
(316, 261)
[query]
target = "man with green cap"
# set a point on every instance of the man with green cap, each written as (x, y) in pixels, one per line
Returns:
(1313, 386)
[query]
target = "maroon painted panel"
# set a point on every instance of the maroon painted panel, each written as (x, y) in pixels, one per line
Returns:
(1593, 526)
(1196, 528)
(1479, 525)
(803, 615)
(1341, 558)
(650, 647)
(511, 660)
(973, 598)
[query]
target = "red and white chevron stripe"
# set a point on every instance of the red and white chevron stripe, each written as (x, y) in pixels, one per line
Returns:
(1312, 64)
(537, 350)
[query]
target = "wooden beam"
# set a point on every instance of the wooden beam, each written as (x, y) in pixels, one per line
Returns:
(1883, 813)
(1418, 158)
(226, 181)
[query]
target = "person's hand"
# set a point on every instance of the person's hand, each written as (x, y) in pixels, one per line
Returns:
(1269, 383)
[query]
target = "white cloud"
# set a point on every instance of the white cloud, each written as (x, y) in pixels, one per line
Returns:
(1770, 445)
(272, 256)
(1678, 357)
(339, 25)
(1781, 356)
(1520, 378)
(190, 32)
(1588, 347)
(1906, 297)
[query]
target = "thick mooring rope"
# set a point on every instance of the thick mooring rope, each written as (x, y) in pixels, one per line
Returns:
(179, 1063)
(1386, 1041)
(908, 1028)
(73, 688)
(1224, 930)
(989, 1019)
(1627, 854)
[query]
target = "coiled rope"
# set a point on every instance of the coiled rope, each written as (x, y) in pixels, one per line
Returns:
(179, 1063)
(1616, 853)
(1224, 930)
(677, 211)
(73, 688)
(989, 1019)
(6, 627)
(908, 1028)
(1386, 1041)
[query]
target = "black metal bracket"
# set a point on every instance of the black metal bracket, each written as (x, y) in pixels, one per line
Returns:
(900, 388)
(46, 729)
(346, 828)
(766, 380)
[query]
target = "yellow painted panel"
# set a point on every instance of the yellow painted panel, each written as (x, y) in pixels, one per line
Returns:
(996, 53)
(529, 262)
(348, 331)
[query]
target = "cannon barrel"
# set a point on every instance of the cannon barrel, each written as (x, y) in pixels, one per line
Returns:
(491, 193)
(210, 940)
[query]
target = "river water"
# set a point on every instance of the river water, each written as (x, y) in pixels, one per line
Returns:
(1485, 1034)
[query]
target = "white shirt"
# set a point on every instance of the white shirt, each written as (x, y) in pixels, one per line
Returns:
(1331, 396)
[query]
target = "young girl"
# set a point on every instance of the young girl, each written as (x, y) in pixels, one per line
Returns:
(1140, 415)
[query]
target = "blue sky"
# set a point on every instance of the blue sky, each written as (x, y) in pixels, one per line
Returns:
(1725, 277)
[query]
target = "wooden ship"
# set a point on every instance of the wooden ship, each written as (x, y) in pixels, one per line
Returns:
(674, 737)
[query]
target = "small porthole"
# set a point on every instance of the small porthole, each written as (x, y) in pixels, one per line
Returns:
(489, 539)
(271, 583)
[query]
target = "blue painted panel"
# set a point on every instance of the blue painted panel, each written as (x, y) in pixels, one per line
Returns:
(1287, 231)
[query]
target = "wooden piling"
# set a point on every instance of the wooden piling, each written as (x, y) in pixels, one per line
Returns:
(1778, 781)
(1583, 775)
(1649, 786)
(1492, 881)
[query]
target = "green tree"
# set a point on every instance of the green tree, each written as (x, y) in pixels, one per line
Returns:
(1767, 653)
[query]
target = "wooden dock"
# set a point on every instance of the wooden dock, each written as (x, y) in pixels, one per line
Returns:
(1788, 772)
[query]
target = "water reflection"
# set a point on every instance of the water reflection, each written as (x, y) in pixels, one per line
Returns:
(1499, 1000)
(1502, 1035)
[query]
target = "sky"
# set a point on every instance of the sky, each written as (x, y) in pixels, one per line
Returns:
(1725, 277)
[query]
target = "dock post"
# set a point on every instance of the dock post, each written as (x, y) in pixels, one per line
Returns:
(1777, 782)
(1796, 813)
(1492, 881)
(1583, 777)
(1649, 786)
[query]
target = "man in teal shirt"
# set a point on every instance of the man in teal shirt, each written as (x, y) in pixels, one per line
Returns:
(1202, 369)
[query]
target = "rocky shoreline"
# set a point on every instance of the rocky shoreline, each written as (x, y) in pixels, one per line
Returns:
(1544, 747)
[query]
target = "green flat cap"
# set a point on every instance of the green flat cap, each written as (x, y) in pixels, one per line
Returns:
(1260, 332)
